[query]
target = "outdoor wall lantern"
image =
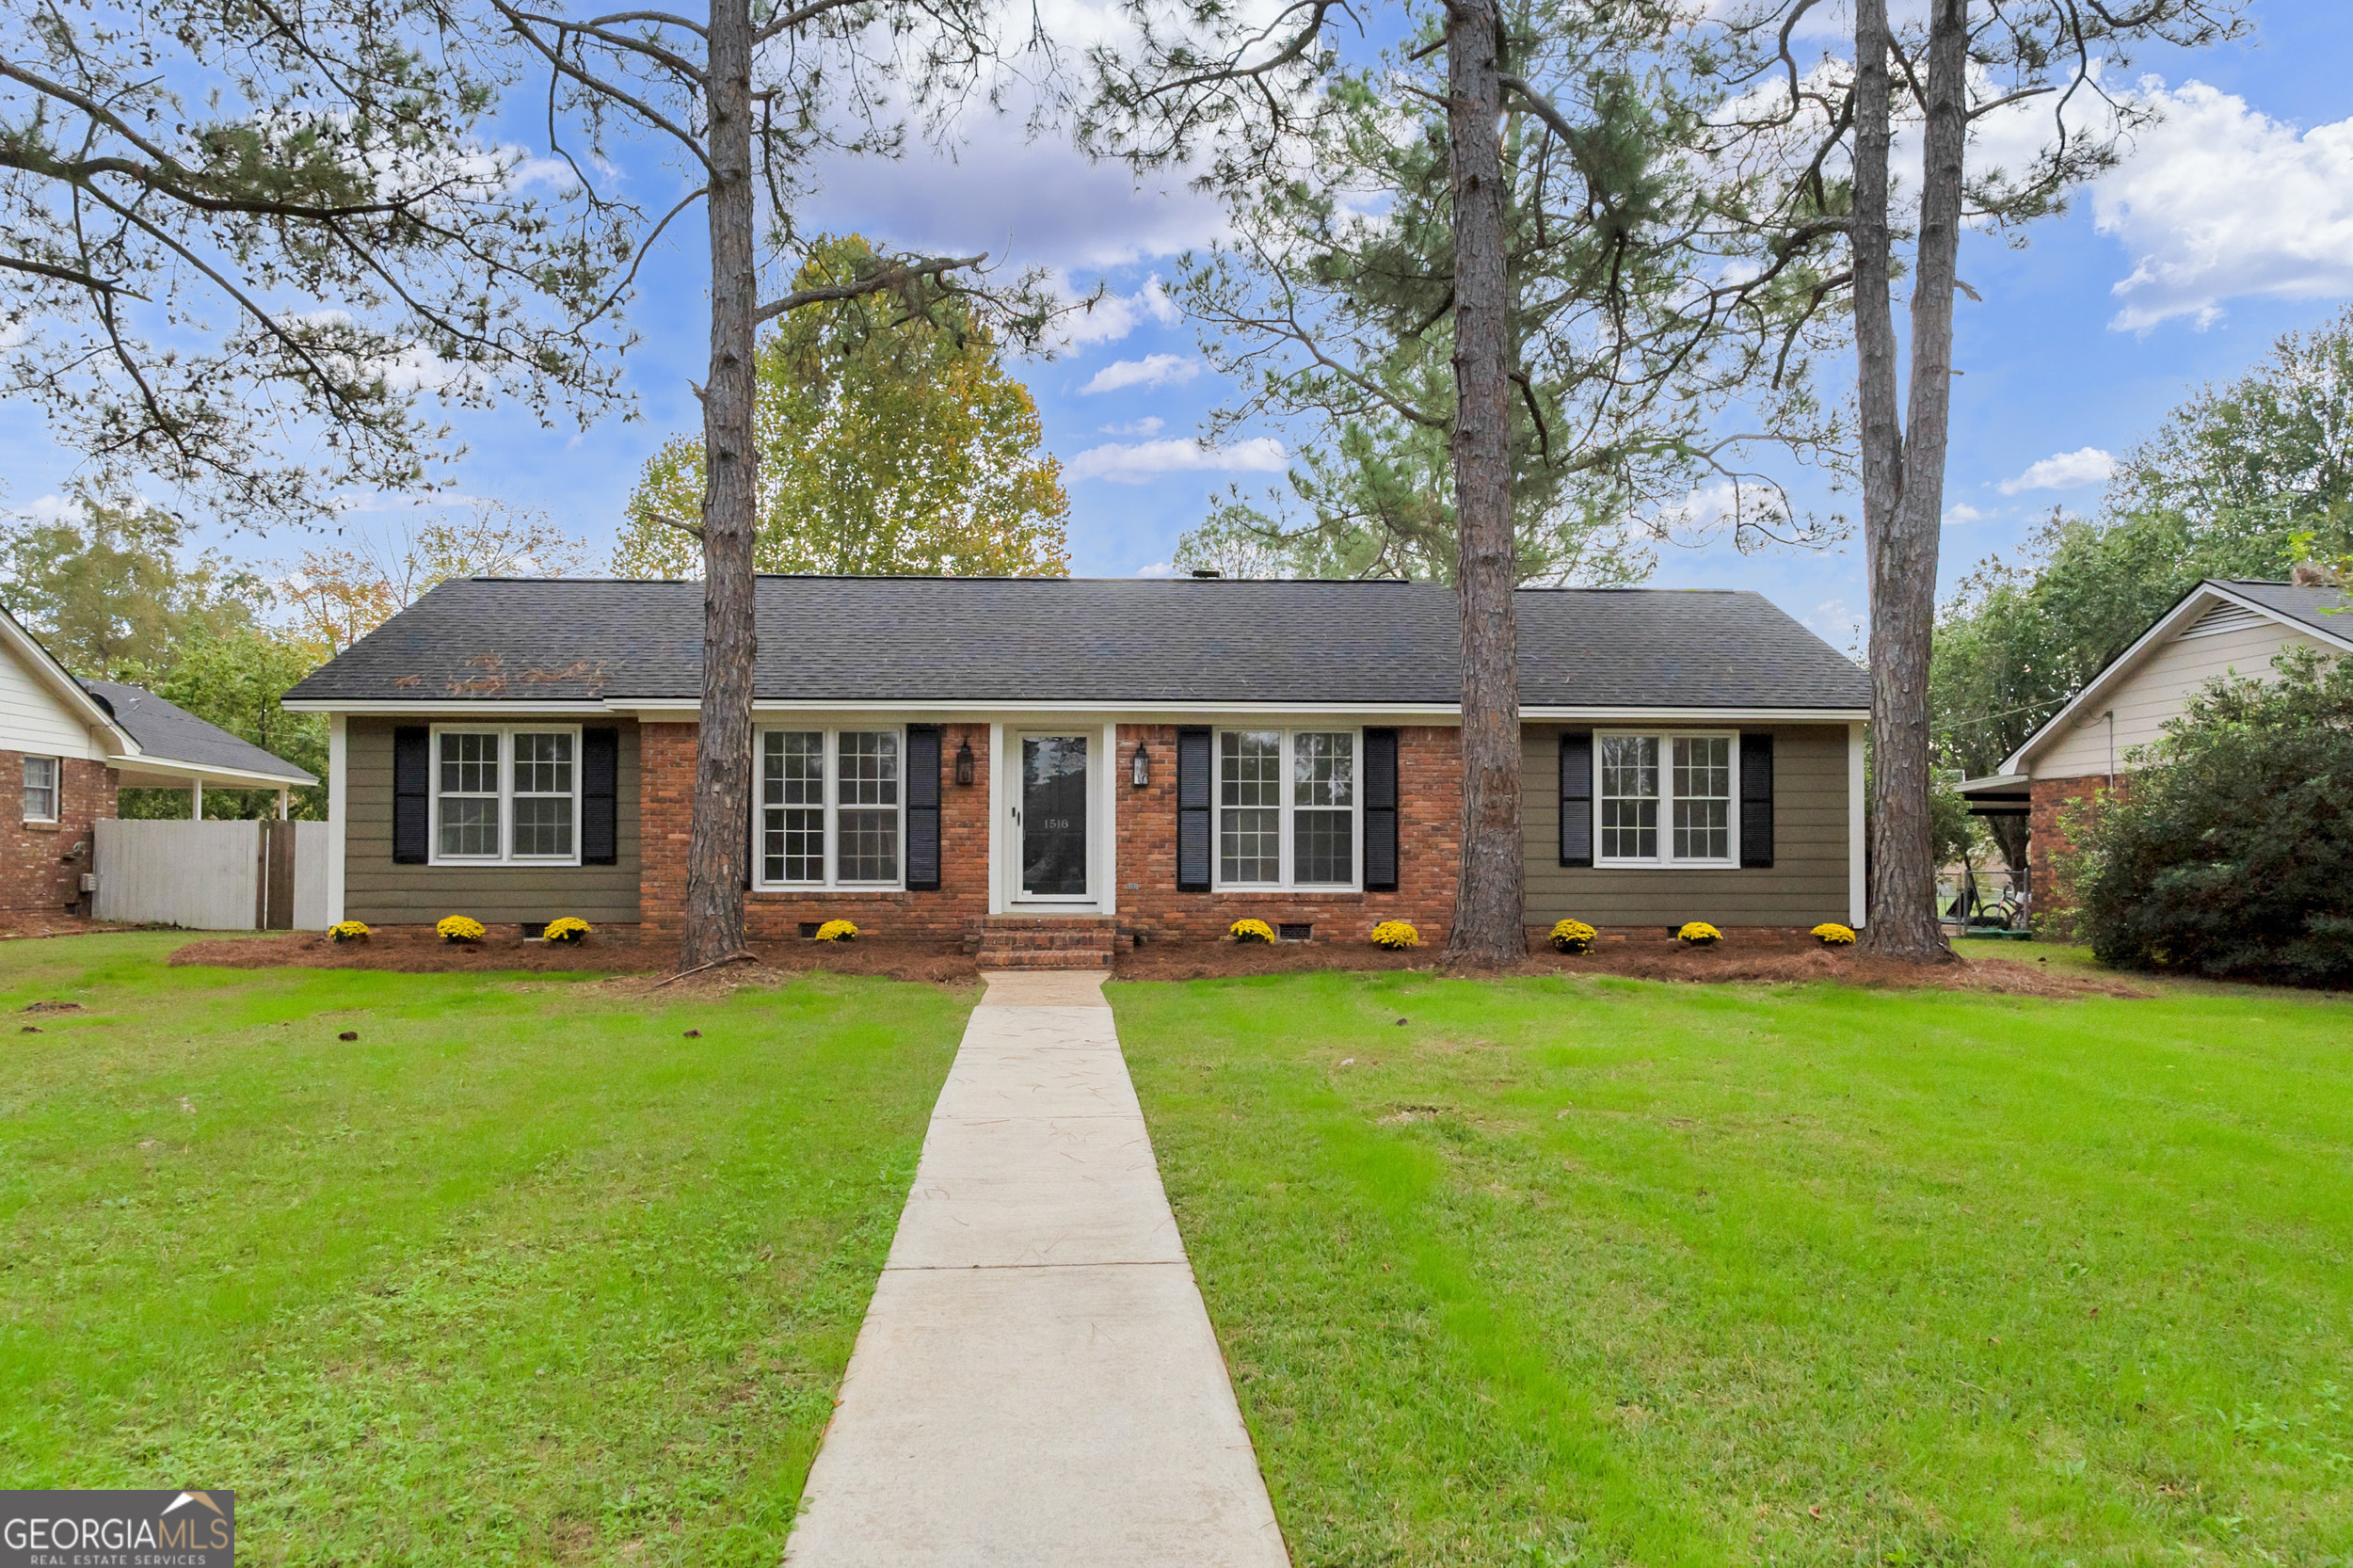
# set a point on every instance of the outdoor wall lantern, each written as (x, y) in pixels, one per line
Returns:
(964, 762)
(1139, 767)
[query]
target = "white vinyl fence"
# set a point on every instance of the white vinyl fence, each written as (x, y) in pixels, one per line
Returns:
(213, 876)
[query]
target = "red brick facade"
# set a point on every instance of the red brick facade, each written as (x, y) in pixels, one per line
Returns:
(1428, 833)
(666, 782)
(2053, 800)
(38, 871)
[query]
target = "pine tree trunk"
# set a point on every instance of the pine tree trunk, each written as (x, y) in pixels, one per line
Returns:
(1487, 900)
(1902, 918)
(718, 854)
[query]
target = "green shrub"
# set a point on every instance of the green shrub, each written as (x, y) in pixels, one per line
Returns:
(2231, 855)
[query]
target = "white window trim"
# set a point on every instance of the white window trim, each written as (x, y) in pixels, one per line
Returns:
(506, 774)
(1289, 884)
(832, 883)
(1666, 859)
(56, 790)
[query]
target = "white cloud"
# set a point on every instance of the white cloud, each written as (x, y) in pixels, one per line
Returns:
(1146, 460)
(1152, 369)
(1158, 569)
(2219, 200)
(1150, 424)
(1955, 516)
(1113, 316)
(2063, 470)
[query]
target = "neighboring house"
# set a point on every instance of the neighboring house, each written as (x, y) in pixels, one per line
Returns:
(69, 744)
(2219, 628)
(931, 754)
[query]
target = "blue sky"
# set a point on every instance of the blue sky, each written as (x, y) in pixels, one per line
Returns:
(2234, 221)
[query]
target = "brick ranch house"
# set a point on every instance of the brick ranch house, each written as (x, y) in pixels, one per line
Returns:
(940, 756)
(2219, 628)
(69, 745)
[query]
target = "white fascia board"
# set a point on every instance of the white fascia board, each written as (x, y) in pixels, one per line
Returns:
(410, 706)
(1991, 781)
(2194, 603)
(1695, 716)
(1445, 712)
(228, 778)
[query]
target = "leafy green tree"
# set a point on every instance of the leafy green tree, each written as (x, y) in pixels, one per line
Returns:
(110, 593)
(235, 677)
(887, 441)
(2232, 855)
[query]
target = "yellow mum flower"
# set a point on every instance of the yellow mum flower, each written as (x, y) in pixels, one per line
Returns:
(1251, 931)
(572, 928)
(837, 931)
(1396, 935)
(1699, 934)
(1573, 937)
(348, 930)
(1832, 934)
(458, 928)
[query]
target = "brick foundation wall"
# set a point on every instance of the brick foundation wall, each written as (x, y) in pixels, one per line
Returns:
(667, 797)
(1428, 832)
(33, 874)
(2048, 841)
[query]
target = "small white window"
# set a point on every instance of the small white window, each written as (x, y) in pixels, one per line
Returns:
(1694, 786)
(40, 789)
(827, 808)
(1286, 808)
(507, 795)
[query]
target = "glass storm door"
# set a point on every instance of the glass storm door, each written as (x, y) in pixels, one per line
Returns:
(1053, 816)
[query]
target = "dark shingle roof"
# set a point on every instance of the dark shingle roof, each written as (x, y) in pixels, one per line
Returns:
(174, 734)
(938, 642)
(2311, 606)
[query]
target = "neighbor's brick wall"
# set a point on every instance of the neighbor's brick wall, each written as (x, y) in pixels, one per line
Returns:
(31, 874)
(667, 797)
(2048, 842)
(1428, 832)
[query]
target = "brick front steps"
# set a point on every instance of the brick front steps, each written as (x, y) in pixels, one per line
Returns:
(1029, 942)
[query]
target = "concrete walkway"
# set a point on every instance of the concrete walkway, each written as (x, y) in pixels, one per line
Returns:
(1036, 1385)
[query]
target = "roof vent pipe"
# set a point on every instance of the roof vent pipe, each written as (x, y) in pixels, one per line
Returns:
(1204, 571)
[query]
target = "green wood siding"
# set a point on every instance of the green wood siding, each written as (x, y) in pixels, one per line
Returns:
(381, 893)
(1805, 885)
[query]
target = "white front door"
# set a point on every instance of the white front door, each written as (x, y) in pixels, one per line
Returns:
(1053, 817)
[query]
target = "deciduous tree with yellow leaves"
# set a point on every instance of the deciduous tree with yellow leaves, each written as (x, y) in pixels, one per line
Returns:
(888, 443)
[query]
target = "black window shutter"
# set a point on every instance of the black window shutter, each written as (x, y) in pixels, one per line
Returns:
(412, 794)
(599, 796)
(923, 807)
(1192, 810)
(1756, 798)
(1380, 810)
(1576, 797)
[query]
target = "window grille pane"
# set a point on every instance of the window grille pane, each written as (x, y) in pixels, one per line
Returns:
(1250, 844)
(1250, 768)
(869, 844)
(794, 844)
(543, 764)
(470, 764)
(1322, 846)
(1702, 799)
(1324, 770)
(1630, 798)
(792, 767)
(40, 789)
(870, 769)
(470, 824)
(543, 824)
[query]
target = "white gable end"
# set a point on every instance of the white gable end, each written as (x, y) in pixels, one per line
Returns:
(35, 719)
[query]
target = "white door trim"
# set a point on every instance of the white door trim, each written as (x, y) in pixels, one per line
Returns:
(1013, 900)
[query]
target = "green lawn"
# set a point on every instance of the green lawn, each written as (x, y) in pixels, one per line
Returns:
(1598, 1271)
(522, 1274)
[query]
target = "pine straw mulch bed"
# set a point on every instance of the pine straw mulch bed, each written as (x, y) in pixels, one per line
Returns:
(648, 962)
(1758, 961)
(423, 952)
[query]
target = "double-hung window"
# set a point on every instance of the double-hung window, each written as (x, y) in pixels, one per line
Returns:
(41, 791)
(829, 807)
(1286, 808)
(1664, 800)
(507, 795)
